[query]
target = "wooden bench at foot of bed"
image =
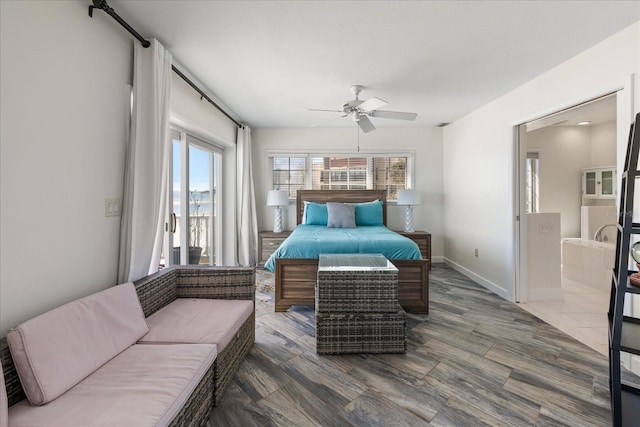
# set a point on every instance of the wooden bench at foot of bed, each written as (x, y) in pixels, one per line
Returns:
(295, 281)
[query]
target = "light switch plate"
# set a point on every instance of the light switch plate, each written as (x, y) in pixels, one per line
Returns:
(545, 228)
(112, 207)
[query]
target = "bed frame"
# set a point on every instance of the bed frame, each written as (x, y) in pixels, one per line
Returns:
(295, 278)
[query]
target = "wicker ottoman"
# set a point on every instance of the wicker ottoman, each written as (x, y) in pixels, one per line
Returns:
(357, 308)
(361, 332)
(356, 283)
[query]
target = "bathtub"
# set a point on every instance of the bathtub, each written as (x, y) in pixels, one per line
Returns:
(588, 262)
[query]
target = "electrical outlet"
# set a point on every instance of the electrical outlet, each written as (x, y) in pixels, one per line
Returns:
(475, 252)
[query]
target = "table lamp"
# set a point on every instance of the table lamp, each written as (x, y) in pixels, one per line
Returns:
(408, 198)
(277, 198)
(634, 279)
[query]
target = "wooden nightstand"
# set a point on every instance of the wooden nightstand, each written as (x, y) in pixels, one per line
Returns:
(268, 242)
(423, 240)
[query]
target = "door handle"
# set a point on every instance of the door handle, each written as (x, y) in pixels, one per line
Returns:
(173, 222)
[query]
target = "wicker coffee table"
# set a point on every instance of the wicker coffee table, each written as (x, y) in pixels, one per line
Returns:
(357, 308)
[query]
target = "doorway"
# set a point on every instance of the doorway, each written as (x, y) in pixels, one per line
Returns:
(558, 155)
(192, 232)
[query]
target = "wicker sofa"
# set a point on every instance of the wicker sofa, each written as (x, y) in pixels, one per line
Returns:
(158, 291)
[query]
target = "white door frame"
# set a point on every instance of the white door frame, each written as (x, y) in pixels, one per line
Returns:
(625, 116)
(188, 139)
(520, 241)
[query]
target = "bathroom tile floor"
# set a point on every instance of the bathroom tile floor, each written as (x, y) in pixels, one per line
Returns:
(581, 314)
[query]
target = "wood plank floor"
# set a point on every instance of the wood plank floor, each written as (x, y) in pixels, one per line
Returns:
(475, 360)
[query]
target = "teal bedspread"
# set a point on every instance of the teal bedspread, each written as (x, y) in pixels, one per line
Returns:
(308, 241)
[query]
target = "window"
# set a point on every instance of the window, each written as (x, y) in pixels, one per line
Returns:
(322, 172)
(289, 174)
(533, 186)
(390, 173)
(338, 173)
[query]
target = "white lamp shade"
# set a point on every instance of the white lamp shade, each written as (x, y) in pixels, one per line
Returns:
(408, 197)
(277, 198)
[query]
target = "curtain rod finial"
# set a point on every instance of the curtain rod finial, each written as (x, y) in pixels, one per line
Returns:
(100, 4)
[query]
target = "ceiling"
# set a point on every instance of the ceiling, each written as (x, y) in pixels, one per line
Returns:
(269, 61)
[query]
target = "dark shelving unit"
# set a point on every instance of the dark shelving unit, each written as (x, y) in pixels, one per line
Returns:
(624, 331)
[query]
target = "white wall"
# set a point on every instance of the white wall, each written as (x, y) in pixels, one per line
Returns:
(64, 103)
(603, 144)
(564, 152)
(479, 152)
(426, 143)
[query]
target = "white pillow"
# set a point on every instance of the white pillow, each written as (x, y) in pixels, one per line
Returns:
(304, 212)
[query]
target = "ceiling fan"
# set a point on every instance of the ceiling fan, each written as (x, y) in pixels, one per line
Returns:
(360, 111)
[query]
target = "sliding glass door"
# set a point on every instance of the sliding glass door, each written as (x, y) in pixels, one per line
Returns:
(193, 235)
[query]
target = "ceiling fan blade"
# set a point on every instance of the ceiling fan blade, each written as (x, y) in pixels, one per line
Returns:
(372, 104)
(365, 124)
(398, 115)
(327, 121)
(331, 111)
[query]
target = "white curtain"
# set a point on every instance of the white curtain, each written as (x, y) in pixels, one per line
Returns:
(246, 217)
(146, 167)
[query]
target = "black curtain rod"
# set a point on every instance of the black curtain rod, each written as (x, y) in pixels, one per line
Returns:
(102, 5)
(204, 95)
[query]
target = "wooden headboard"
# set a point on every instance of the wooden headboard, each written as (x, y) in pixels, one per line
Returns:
(340, 196)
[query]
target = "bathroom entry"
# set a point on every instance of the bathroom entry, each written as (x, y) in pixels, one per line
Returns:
(570, 202)
(566, 160)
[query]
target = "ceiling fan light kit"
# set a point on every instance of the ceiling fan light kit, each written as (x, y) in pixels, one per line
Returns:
(359, 111)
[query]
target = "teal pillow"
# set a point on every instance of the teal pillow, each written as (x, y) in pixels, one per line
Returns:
(316, 214)
(369, 213)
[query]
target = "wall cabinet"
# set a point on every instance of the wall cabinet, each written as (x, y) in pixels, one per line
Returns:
(599, 183)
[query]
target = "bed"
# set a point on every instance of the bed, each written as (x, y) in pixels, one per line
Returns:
(295, 278)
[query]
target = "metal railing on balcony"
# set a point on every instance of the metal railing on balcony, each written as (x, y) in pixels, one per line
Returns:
(201, 236)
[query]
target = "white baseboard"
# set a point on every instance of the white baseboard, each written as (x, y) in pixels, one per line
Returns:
(437, 259)
(493, 287)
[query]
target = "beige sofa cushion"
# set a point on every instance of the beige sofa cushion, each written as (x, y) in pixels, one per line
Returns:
(190, 320)
(145, 385)
(56, 350)
(4, 403)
